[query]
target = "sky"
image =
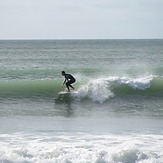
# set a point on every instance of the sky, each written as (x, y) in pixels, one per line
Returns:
(81, 19)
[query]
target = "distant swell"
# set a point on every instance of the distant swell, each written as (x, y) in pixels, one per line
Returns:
(100, 89)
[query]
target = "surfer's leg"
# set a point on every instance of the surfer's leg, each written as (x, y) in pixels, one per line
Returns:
(71, 82)
(71, 86)
(67, 85)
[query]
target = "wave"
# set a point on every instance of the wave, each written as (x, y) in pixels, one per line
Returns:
(103, 89)
(29, 87)
(100, 89)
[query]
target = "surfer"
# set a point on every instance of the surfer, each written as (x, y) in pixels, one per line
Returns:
(70, 80)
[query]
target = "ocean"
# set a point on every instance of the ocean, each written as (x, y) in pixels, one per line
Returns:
(115, 114)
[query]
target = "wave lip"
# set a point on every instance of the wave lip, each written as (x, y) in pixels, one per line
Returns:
(139, 83)
(147, 85)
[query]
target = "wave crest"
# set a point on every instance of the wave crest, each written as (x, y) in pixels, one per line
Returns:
(97, 90)
(102, 89)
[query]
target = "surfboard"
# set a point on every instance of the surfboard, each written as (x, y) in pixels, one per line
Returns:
(66, 92)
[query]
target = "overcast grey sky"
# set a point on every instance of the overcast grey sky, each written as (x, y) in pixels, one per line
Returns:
(81, 19)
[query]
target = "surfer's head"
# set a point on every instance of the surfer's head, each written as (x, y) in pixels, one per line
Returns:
(63, 73)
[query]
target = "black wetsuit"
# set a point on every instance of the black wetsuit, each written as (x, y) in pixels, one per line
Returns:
(70, 80)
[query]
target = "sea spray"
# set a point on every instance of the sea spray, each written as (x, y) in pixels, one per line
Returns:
(96, 90)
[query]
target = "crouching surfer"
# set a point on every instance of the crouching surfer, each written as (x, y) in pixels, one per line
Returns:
(69, 79)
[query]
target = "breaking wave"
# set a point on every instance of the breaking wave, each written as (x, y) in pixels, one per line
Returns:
(103, 89)
(99, 90)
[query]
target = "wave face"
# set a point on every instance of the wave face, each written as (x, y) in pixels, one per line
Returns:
(98, 90)
(28, 87)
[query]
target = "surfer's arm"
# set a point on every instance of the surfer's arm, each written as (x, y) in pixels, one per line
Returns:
(64, 82)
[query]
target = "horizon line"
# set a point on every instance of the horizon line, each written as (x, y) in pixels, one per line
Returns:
(39, 39)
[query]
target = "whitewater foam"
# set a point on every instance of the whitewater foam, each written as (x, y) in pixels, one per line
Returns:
(101, 89)
(97, 90)
(79, 148)
(138, 83)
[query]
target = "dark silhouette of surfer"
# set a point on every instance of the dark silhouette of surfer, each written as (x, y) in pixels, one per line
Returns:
(69, 79)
